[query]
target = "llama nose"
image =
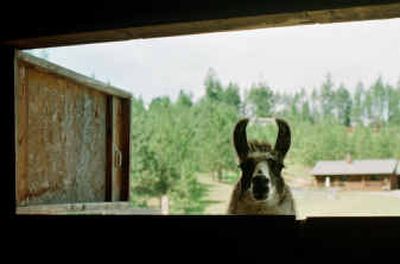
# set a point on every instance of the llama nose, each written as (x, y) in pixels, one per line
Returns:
(260, 187)
(260, 180)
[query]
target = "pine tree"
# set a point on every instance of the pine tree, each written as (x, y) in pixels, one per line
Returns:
(343, 105)
(261, 99)
(327, 97)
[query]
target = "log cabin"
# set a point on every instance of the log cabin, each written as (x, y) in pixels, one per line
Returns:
(368, 174)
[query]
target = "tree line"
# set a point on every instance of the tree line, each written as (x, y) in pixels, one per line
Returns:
(173, 141)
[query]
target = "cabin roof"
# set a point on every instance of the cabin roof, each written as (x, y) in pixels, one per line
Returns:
(356, 167)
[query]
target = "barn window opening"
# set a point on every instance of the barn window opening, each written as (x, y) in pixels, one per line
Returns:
(145, 126)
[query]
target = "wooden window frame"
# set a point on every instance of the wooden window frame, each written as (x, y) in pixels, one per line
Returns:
(108, 100)
(327, 235)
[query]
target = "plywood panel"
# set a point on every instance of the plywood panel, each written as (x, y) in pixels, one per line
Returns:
(66, 142)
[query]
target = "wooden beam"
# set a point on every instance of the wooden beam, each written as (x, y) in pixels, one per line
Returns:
(126, 162)
(251, 16)
(116, 182)
(109, 148)
(101, 208)
(21, 133)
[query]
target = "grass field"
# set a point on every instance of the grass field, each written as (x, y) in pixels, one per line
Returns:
(312, 201)
(332, 202)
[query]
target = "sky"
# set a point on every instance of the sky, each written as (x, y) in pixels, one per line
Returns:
(286, 58)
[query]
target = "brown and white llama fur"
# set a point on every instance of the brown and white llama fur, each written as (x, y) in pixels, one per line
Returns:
(261, 188)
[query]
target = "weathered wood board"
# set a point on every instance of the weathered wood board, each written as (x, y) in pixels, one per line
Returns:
(120, 149)
(62, 138)
(110, 208)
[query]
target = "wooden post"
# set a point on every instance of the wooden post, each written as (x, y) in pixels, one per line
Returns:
(126, 152)
(393, 182)
(387, 183)
(118, 149)
(327, 182)
(21, 133)
(164, 205)
(110, 152)
(116, 162)
(363, 184)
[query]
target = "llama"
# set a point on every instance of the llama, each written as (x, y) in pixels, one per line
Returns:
(261, 188)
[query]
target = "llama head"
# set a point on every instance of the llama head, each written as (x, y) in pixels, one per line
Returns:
(260, 163)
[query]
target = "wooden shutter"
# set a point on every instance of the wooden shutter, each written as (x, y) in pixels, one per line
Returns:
(72, 141)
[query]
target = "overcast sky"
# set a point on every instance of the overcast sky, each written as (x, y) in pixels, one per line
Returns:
(285, 58)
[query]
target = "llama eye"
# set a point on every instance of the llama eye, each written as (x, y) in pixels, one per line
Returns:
(246, 166)
(242, 166)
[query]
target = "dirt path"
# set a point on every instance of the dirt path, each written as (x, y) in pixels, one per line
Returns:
(218, 195)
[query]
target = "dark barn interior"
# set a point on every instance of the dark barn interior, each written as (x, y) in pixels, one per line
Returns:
(46, 24)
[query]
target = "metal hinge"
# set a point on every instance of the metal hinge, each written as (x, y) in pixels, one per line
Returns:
(117, 157)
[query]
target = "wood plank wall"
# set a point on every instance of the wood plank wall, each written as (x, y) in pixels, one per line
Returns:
(62, 140)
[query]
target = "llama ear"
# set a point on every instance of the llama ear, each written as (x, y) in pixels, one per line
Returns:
(240, 139)
(283, 140)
